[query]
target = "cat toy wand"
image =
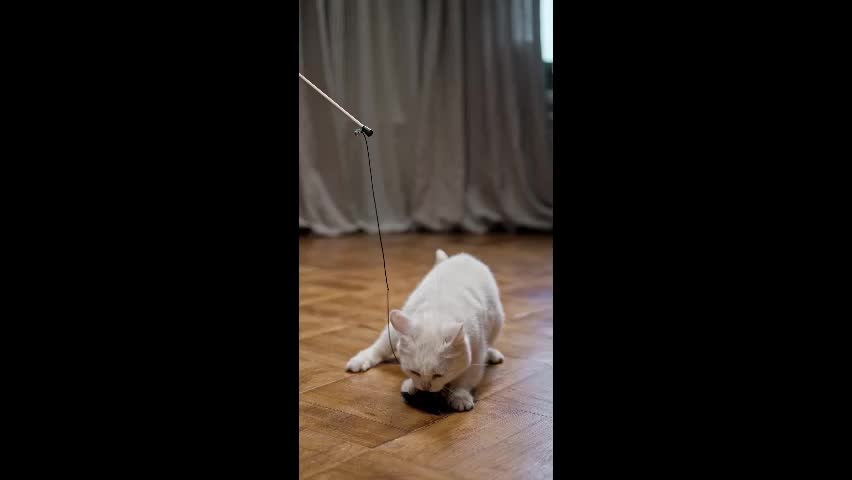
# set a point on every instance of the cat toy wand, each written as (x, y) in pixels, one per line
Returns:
(366, 132)
(364, 129)
(430, 402)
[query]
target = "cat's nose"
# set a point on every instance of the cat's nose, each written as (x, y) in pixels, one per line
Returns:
(427, 386)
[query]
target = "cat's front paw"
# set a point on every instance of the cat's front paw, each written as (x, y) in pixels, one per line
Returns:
(460, 400)
(361, 363)
(408, 387)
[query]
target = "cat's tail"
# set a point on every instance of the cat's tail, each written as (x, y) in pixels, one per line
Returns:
(440, 256)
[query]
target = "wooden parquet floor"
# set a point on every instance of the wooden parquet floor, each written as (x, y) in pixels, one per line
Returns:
(356, 425)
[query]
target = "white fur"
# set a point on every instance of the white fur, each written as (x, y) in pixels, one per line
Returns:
(447, 327)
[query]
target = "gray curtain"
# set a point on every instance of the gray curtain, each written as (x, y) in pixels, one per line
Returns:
(454, 91)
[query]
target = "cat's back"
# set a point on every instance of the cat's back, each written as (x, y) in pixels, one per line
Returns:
(460, 273)
(458, 287)
(462, 266)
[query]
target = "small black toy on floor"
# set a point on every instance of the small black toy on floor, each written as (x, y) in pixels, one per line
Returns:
(429, 402)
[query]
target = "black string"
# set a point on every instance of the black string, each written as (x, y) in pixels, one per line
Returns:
(381, 244)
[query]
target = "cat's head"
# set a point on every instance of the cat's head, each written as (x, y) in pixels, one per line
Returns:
(431, 357)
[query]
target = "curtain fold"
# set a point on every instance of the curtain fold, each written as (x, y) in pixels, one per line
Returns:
(455, 93)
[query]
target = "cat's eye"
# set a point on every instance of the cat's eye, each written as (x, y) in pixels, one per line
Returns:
(437, 375)
(412, 371)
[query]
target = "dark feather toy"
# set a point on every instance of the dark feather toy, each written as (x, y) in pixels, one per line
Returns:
(429, 402)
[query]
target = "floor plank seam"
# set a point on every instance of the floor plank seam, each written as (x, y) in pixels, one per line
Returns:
(482, 449)
(509, 404)
(528, 313)
(354, 415)
(333, 466)
(320, 332)
(490, 394)
(325, 385)
(514, 434)
(527, 359)
(442, 417)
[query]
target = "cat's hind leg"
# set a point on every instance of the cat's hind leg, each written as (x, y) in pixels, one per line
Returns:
(371, 356)
(496, 318)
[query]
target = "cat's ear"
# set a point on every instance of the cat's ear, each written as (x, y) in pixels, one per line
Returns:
(453, 333)
(401, 323)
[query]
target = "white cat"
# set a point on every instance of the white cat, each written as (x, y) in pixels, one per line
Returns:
(444, 334)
